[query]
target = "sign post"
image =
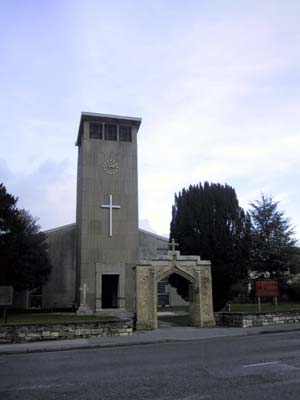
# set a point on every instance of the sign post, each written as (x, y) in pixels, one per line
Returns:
(266, 288)
(276, 303)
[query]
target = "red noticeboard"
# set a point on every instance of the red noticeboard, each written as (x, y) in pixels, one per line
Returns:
(266, 288)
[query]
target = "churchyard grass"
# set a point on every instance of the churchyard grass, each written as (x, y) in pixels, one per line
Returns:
(45, 318)
(176, 320)
(265, 307)
(174, 308)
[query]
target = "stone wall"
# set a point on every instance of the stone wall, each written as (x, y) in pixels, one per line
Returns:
(13, 333)
(247, 320)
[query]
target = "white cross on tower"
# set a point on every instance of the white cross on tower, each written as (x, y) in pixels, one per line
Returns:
(110, 206)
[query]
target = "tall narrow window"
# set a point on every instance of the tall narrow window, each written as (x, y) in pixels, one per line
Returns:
(110, 132)
(163, 293)
(124, 133)
(95, 130)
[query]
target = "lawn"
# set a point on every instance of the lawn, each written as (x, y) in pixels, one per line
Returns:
(45, 318)
(265, 307)
(174, 309)
(177, 320)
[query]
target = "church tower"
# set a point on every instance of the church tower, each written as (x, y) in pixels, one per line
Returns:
(107, 211)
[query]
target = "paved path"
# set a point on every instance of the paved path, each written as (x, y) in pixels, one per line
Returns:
(161, 335)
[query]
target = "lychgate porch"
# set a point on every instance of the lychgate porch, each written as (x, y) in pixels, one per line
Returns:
(193, 270)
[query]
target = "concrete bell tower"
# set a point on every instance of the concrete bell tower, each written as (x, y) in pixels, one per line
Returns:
(107, 212)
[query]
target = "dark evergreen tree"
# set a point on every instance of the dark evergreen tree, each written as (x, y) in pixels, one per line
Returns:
(273, 250)
(24, 261)
(208, 221)
(8, 218)
(295, 265)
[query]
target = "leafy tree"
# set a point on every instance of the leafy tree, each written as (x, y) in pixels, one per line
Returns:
(24, 259)
(273, 246)
(208, 221)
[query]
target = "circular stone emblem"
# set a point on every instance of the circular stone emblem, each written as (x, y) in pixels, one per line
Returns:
(111, 167)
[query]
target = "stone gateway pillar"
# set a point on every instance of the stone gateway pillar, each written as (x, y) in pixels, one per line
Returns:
(146, 298)
(196, 271)
(201, 304)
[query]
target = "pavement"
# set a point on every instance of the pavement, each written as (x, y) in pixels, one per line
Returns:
(160, 335)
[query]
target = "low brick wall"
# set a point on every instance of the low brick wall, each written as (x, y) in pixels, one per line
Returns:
(247, 320)
(14, 333)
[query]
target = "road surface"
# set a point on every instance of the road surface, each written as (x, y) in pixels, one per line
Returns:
(252, 367)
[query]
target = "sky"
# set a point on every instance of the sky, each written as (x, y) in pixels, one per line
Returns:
(215, 82)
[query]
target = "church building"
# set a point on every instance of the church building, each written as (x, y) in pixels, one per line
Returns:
(104, 263)
(103, 247)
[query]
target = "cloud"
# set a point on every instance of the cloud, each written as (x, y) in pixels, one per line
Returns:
(146, 225)
(48, 193)
(216, 85)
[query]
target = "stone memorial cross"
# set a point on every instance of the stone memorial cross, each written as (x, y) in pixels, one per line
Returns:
(83, 290)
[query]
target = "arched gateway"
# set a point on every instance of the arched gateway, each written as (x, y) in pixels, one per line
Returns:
(196, 271)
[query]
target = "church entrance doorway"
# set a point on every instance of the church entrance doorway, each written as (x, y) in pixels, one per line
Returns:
(110, 290)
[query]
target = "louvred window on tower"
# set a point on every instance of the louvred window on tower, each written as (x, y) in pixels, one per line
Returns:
(95, 130)
(124, 133)
(110, 132)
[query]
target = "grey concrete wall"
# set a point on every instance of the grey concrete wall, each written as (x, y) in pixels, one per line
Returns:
(59, 292)
(60, 289)
(78, 224)
(151, 244)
